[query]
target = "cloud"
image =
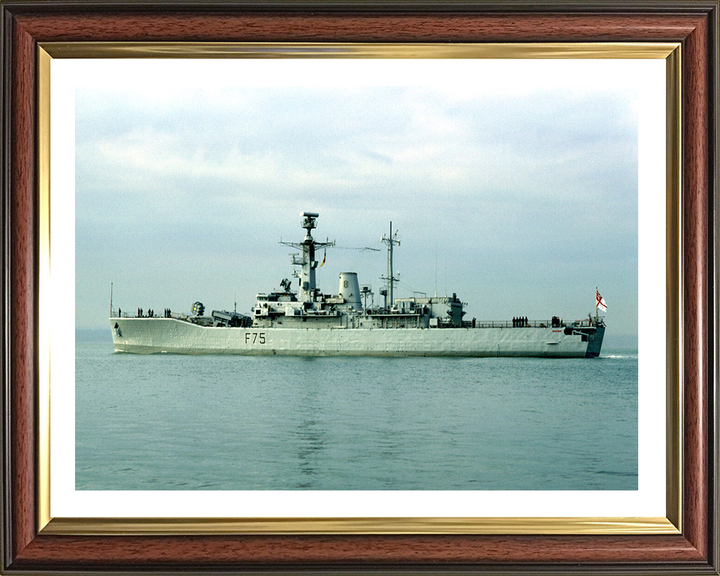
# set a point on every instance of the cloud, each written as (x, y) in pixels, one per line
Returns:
(513, 191)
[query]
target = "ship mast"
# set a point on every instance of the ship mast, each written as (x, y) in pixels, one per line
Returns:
(390, 279)
(307, 264)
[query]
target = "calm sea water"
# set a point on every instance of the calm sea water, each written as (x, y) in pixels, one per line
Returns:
(282, 423)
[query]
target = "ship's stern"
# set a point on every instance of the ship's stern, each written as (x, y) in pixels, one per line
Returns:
(595, 341)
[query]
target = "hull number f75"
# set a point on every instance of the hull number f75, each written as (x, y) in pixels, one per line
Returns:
(254, 337)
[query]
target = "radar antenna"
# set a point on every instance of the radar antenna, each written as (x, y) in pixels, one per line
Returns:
(365, 291)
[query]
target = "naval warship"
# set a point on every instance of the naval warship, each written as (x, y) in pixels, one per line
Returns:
(308, 322)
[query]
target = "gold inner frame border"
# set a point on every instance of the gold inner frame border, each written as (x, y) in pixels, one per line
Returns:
(671, 524)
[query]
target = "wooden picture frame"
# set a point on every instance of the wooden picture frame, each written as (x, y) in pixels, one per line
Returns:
(28, 546)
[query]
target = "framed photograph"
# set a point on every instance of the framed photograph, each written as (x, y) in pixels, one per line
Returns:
(516, 372)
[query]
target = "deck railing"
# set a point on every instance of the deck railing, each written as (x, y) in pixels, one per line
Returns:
(529, 324)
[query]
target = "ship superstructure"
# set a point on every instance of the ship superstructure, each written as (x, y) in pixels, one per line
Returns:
(310, 322)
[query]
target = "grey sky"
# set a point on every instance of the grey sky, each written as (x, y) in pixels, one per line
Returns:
(520, 200)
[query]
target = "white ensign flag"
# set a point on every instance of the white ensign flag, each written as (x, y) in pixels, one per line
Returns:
(600, 302)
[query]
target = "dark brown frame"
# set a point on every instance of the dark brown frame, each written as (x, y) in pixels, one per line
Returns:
(692, 23)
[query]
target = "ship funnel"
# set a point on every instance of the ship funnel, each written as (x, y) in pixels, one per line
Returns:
(349, 289)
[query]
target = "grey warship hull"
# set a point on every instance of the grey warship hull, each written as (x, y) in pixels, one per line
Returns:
(169, 335)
